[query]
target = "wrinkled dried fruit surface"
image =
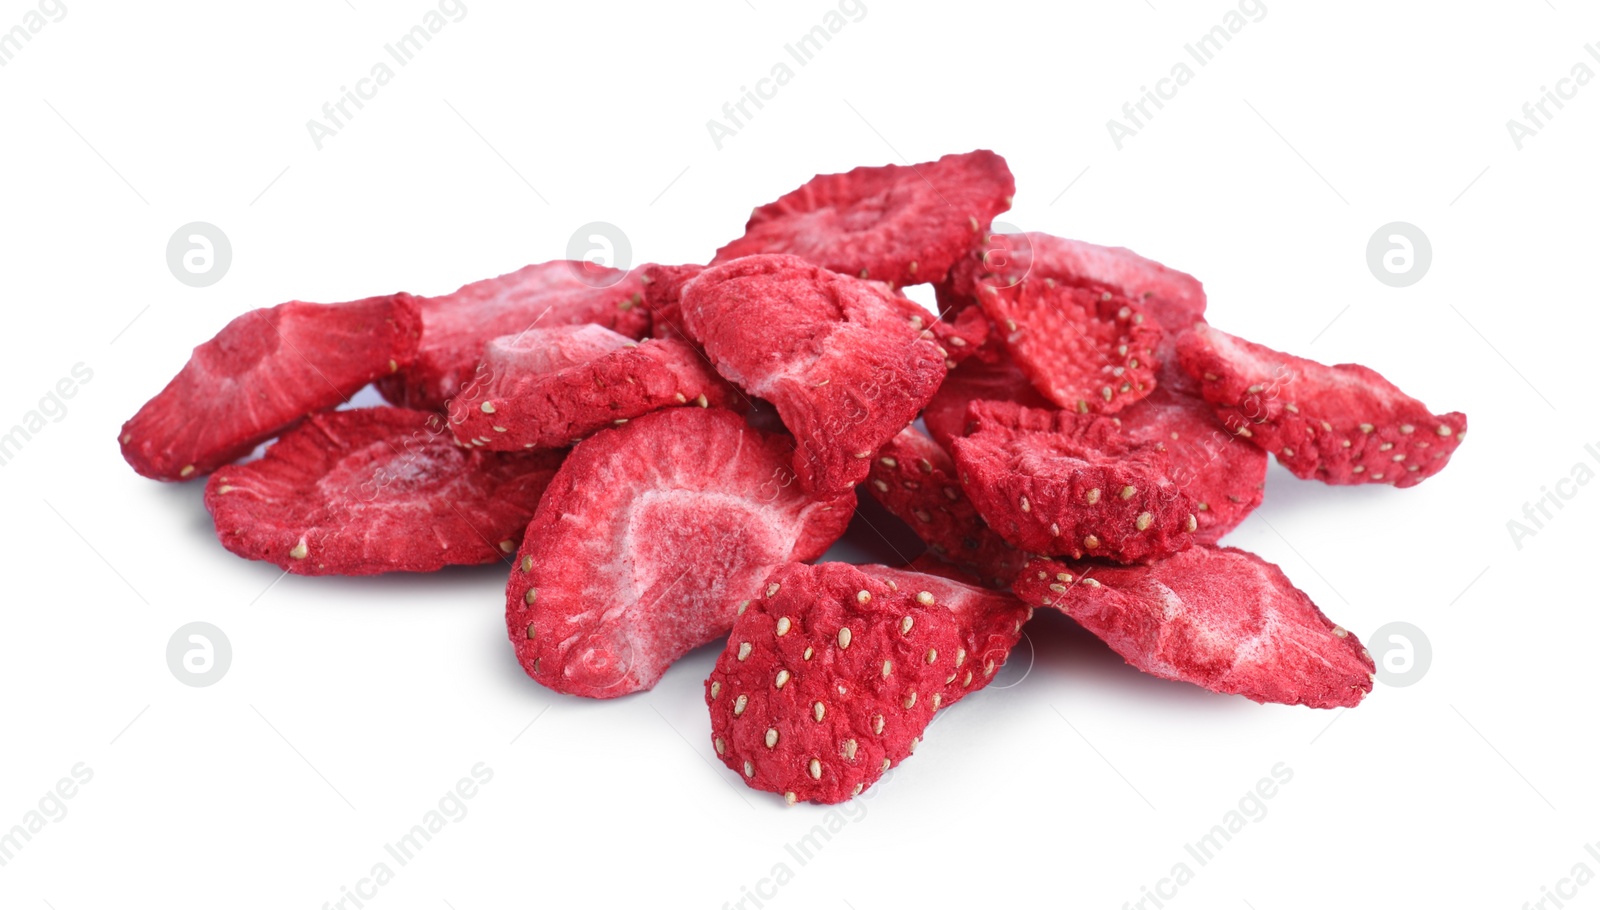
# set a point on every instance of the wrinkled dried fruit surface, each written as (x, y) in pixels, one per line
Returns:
(1343, 424)
(663, 296)
(1220, 618)
(916, 481)
(456, 326)
(1170, 297)
(1086, 349)
(549, 388)
(1224, 475)
(646, 542)
(967, 334)
(376, 490)
(900, 224)
(836, 355)
(1056, 483)
(265, 370)
(833, 672)
(946, 413)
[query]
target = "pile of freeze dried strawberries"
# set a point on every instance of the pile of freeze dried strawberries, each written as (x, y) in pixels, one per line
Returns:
(658, 454)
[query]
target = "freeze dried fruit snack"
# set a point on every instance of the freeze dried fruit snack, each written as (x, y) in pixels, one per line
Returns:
(965, 335)
(1217, 617)
(549, 388)
(1056, 483)
(456, 326)
(265, 370)
(1224, 475)
(376, 490)
(833, 673)
(647, 541)
(836, 355)
(1173, 299)
(1087, 349)
(1343, 424)
(959, 337)
(916, 481)
(663, 297)
(976, 380)
(900, 224)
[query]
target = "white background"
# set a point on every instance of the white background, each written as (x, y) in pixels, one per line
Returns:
(353, 705)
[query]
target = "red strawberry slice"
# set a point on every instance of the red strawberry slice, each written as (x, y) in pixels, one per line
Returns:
(900, 224)
(1343, 424)
(1220, 618)
(832, 675)
(1055, 483)
(456, 326)
(647, 541)
(1085, 348)
(376, 490)
(1170, 297)
(663, 297)
(975, 380)
(959, 337)
(836, 355)
(549, 388)
(967, 334)
(1224, 475)
(265, 370)
(916, 481)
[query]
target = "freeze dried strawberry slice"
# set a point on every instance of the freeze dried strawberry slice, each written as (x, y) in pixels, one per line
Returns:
(1055, 483)
(648, 539)
(1170, 297)
(836, 355)
(1217, 617)
(966, 334)
(1225, 476)
(376, 490)
(900, 224)
(549, 388)
(1085, 348)
(663, 297)
(946, 413)
(265, 370)
(1343, 424)
(959, 337)
(833, 673)
(916, 481)
(456, 326)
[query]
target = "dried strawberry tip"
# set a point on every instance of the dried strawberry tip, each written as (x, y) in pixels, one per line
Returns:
(1341, 424)
(851, 707)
